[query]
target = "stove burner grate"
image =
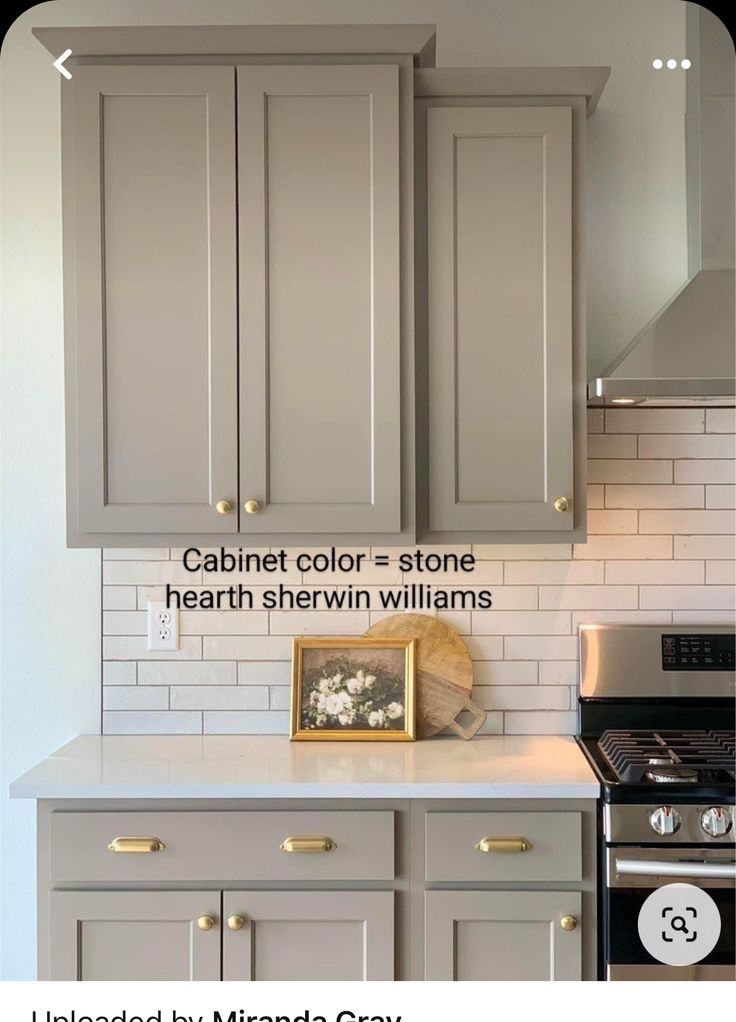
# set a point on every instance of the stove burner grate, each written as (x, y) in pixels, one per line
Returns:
(670, 757)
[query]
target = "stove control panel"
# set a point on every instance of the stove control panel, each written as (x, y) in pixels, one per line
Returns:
(698, 652)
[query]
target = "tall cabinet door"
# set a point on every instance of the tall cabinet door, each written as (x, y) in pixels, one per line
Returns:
(319, 298)
(499, 317)
(502, 935)
(134, 935)
(151, 324)
(308, 935)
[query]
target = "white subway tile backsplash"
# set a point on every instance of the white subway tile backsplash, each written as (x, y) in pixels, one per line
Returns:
(720, 497)
(219, 697)
(720, 420)
(671, 573)
(660, 550)
(656, 496)
(541, 647)
(151, 722)
(716, 547)
(703, 522)
(709, 445)
(203, 672)
(710, 597)
(506, 672)
(625, 471)
(119, 672)
(706, 470)
(606, 597)
(118, 598)
(602, 523)
(655, 420)
(134, 697)
(607, 445)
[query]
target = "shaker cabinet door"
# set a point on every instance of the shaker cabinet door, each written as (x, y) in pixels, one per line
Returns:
(318, 168)
(502, 935)
(151, 325)
(134, 935)
(499, 318)
(308, 935)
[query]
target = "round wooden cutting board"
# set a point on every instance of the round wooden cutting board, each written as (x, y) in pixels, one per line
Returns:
(444, 672)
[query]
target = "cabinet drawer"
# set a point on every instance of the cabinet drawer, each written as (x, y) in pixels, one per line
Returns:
(221, 846)
(552, 846)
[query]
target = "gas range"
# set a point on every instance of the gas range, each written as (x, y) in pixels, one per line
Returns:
(656, 722)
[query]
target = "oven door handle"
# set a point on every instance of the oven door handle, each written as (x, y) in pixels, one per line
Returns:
(652, 868)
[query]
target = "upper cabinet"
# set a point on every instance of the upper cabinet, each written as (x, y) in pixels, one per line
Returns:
(320, 403)
(151, 300)
(264, 330)
(500, 308)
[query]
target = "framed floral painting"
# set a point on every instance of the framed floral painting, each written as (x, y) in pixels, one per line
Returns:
(353, 689)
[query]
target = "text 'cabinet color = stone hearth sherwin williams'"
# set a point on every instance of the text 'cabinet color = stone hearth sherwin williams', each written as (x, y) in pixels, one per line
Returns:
(660, 549)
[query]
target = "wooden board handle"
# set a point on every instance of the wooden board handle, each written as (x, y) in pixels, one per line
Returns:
(479, 719)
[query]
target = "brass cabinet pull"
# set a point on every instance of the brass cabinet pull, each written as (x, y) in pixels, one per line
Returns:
(562, 504)
(504, 844)
(308, 844)
(223, 507)
(206, 923)
(568, 923)
(251, 507)
(235, 922)
(136, 844)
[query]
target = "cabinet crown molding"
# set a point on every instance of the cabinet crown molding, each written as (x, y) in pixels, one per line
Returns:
(265, 40)
(512, 81)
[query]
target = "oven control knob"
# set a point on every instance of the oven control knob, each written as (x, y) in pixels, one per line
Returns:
(665, 820)
(716, 821)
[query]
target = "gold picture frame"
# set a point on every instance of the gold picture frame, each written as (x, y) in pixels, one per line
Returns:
(349, 688)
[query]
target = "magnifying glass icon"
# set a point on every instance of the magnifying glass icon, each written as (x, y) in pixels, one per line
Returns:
(678, 924)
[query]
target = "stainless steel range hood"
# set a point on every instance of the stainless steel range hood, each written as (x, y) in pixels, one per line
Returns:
(687, 354)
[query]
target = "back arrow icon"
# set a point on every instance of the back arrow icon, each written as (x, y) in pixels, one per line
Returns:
(59, 64)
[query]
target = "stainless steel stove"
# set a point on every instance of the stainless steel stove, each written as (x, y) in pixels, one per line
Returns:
(656, 721)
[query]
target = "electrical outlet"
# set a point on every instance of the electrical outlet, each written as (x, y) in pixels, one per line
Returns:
(163, 626)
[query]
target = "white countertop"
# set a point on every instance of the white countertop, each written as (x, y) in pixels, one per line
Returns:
(244, 766)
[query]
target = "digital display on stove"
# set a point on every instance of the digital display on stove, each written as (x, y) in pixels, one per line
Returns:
(698, 652)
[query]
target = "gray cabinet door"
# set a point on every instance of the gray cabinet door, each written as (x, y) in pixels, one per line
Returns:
(499, 317)
(309, 935)
(150, 236)
(134, 935)
(502, 935)
(318, 159)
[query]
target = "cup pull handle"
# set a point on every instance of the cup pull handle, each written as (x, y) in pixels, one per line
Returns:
(308, 844)
(136, 844)
(504, 844)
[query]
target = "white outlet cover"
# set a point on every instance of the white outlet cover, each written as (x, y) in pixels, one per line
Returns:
(163, 627)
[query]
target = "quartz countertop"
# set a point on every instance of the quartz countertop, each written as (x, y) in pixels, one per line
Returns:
(249, 766)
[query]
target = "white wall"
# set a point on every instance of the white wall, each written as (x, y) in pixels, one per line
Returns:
(637, 249)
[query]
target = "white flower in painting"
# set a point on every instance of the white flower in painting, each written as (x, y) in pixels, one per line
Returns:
(377, 718)
(321, 720)
(356, 684)
(370, 680)
(313, 698)
(394, 711)
(346, 718)
(329, 684)
(337, 703)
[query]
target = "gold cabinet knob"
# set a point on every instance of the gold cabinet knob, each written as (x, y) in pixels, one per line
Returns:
(251, 507)
(504, 844)
(568, 923)
(136, 845)
(223, 507)
(308, 844)
(562, 504)
(235, 922)
(206, 922)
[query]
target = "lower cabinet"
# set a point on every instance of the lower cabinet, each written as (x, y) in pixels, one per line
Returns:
(308, 935)
(134, 935)
(259, 935)
(271, 890)
(503, 935)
